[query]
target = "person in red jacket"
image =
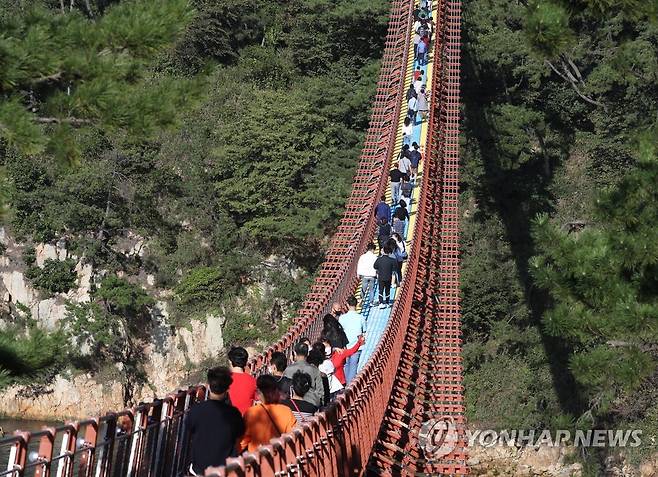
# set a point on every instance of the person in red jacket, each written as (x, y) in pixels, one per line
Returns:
(339, 356)
(243, 388)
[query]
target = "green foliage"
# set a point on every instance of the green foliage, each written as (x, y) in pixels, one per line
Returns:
(68, 71)
(217, 32)
(29, 255)
(519, 130)
(204, 287)
(89, 324)
(547, 27)
(123, 298)
(246, 323)
(604, 284)
(56, 276)
(543, 138)
(25, 355)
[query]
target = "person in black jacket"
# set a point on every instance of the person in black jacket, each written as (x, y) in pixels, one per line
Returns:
(214, 425)
(384, 233)
(333, 332)
(385, 266)
(411, 92)
(279, 363)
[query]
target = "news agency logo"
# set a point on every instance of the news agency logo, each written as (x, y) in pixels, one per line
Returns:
(438, 437)
(559, 437)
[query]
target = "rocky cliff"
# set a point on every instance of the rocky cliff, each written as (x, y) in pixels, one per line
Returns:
(170, 356)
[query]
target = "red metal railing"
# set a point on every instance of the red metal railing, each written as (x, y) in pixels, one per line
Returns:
(418, 354)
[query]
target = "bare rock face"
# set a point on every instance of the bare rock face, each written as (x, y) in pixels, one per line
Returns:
(46, 251)
(67, 398)
(544, 461)
(16, 289)
(548, 461)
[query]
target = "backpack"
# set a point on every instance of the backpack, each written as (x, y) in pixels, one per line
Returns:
(406, 190)
(385, 230)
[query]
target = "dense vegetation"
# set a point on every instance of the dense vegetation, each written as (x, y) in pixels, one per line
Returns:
(559, 202)
(219, 135)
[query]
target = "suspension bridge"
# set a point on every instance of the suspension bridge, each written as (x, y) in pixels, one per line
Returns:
(403, 415)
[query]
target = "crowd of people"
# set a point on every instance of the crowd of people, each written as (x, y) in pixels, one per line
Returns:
(243, 412)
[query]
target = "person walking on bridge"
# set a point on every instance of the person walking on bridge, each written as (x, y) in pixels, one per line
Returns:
(418, 83)
(396, 176)
(267, 419)
(333, 332)
(423, 107)
(412, 109)
(368, 275)
(421, 50)
(408, 129)
(279, 363)
(243, 389)
(215, 425)
(301, 409)
(354, 325)
(316, 393)
(411, 92)
(414, 157)
(386, 267)
(382, 210)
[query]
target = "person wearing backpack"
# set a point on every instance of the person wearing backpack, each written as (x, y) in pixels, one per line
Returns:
(399, 253)
(414, 158)
(385, 266)
(384, 233)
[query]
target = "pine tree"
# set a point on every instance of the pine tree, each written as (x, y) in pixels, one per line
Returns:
(66, 71)
(604, 283)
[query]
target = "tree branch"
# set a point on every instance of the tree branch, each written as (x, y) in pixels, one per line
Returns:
(574, 67)
(574, 85)
(71, 121)
(43, 79)
(89, 10)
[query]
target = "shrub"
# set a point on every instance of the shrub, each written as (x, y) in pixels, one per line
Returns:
(55, 277)
(123, 298)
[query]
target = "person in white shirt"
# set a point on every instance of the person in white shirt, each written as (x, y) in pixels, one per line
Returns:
(366, 271)
(416, 41)
(354, 325)
(418, 84)
(412, 106)
(404, 165)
